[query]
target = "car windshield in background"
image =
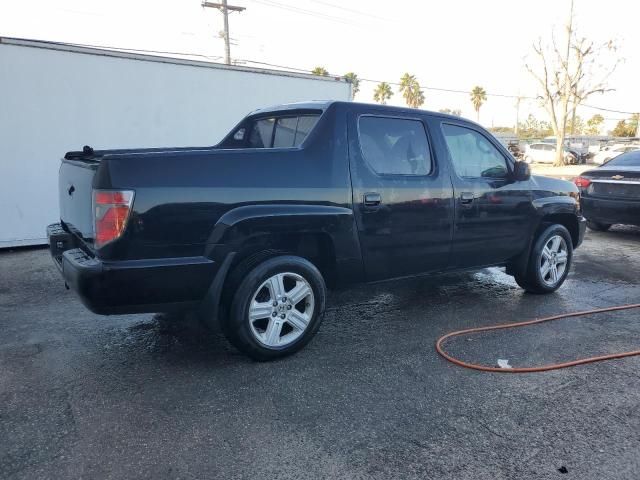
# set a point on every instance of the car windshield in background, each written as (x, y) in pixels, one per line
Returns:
(281, 132)
(629, 159)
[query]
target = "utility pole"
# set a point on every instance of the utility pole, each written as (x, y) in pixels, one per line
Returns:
(225, 12)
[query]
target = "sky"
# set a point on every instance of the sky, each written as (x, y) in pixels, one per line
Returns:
(450, 45)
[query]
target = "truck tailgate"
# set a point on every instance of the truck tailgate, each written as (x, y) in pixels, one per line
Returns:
(75, 196)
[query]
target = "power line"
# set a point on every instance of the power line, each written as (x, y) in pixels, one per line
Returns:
(302, 70)
(439, 89)
(608, 109)
(450, 90)
(137, 50)
(358, 12)
(303, 11)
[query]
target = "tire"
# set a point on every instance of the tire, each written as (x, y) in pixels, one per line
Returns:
(571, 159)
(535, 280)
(598, 227)
(280, 329)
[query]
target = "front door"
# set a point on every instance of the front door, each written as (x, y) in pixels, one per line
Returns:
(402, 197)
(493, 211)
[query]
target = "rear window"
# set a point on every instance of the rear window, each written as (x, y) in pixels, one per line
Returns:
(394, 146)
(629, 159)
(280, 132)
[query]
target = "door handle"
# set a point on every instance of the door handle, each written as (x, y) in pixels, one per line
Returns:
(466, 198)
(371, 199)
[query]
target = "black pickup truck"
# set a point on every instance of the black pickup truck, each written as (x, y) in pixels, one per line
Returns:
(296, 197)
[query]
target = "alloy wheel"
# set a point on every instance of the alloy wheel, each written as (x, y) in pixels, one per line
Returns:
(553, 261)
(281, 309)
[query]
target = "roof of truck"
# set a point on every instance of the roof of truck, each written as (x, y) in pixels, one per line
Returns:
(324, 104)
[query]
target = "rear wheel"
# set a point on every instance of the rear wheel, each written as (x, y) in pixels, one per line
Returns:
(571, 159)
(277, 308)
(549, 261)
(597, 226)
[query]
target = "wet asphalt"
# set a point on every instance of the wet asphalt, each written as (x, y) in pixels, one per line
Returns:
(85, 396)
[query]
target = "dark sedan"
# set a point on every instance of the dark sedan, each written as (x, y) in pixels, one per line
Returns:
(611, 193)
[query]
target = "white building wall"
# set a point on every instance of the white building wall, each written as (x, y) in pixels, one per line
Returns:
(56, 98)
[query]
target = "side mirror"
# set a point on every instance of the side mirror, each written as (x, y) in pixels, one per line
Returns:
(521, 171)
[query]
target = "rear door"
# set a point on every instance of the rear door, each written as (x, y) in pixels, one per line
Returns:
(402, 197)
(493, 213)
(536, 152)
(549, 153)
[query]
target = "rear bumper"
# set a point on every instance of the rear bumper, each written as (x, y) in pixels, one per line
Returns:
(130, 286)
(611, 211)
(582, 228)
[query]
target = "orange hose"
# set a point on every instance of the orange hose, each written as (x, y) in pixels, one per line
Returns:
(543, 368)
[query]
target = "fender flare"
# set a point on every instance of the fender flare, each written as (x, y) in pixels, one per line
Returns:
(559, 204)
(237, 225)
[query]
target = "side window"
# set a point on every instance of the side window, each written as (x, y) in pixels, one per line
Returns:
(291, 131)
(284, 131)
(472, 154)
(394, 146)
(261, 133)
(305, 125)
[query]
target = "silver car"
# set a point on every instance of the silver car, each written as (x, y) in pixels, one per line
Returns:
(542, 152)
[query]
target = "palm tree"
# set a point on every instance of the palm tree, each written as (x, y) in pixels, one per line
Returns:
(478, 97)
(418, 96)
(353, 79)
(411, 92)
(320, 71)
(382, 93)
(457, 112)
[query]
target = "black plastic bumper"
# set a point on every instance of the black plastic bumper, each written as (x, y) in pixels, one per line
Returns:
(611, 211)
(130, 286)
(582, 228)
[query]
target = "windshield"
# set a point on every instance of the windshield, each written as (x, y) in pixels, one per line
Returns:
(629, 159)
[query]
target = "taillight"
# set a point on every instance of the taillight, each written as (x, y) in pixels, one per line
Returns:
(111, 210)
(582, 182)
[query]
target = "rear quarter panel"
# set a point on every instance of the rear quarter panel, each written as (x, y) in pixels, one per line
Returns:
(184, 200)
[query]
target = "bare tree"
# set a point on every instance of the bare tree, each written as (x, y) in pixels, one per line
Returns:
(568, 75)
(592, 75)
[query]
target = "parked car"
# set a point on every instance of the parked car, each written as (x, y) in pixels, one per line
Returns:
(576, 146)
(514, 149)
(542, 152)
(609, 152)
(611, 193)
(296, 197)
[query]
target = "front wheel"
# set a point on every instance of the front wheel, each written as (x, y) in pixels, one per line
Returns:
(549, 261)
(277, 308)
(597, 226)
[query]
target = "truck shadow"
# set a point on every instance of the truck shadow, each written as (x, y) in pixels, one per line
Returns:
(351, 313)
(177, 337)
